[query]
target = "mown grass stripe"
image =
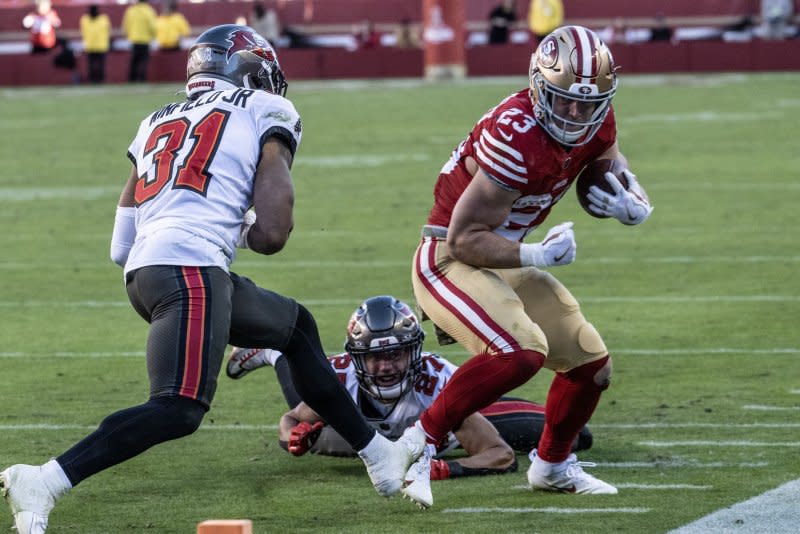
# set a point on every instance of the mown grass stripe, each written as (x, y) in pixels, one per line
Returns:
(546, 510)
(719, 443)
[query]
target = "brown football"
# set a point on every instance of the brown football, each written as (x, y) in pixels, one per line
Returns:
(594, 174)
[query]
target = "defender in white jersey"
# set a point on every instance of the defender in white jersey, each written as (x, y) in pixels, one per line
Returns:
(198, 166)
(392, 382)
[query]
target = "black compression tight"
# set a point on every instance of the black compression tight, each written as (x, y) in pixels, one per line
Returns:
(130, 432)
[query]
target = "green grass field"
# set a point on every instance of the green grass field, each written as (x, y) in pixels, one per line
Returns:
(699, 308)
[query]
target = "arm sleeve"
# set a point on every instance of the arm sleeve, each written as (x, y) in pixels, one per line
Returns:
(124, 235)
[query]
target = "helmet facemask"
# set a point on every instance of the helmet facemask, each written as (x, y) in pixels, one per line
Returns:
(387, 374)
(384, 340)
(572, 118)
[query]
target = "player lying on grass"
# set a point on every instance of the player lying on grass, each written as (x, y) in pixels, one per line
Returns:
(392, 381)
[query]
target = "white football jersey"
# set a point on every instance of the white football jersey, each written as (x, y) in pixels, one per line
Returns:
(197, 162)
(392, 420)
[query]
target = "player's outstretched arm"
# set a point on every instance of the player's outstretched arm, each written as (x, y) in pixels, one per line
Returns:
(488, 453)
(273, 199)
(299, 429)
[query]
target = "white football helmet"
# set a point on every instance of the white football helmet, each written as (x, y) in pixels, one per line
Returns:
(385, 327)
(572, 80)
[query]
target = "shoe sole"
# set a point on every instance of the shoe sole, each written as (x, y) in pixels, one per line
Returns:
(571, 491)
(421, 502)
(238, 363)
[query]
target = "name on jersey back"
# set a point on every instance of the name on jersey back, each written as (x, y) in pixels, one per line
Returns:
(236, 98)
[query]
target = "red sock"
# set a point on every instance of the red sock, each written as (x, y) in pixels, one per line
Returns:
(571, 401)
(477, 384)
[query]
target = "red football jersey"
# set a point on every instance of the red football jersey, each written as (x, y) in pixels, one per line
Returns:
(511, 148)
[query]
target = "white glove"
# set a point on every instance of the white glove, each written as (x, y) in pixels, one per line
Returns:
(629, 206)
(557, 248)
(248, 221)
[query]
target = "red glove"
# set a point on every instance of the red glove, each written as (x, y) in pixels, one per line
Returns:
(439, 470)
(303, 437)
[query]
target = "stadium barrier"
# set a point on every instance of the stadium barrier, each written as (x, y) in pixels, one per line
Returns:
(513, 59)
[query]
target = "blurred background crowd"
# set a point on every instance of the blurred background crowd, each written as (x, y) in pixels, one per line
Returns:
(135, 31)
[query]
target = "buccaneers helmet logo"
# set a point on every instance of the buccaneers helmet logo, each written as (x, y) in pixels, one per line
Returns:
(244, 40)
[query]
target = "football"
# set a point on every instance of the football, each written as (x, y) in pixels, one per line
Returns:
(594, 174)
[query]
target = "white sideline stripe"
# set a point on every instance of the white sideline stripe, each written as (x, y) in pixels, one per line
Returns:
(710, 298)
(122, 354)
(27, 194)
(91, 192)
(45, 426)
(634, 426)
(349, 302)
(632, 485)
(390, 264)
(358, 160)
(704, 116)
(794, 391)
(638, 80)
(682, 464)
(712, 186)
(774, 511)
(663, 486)
(548, 510)
(712, 443)
(721, 350)
(765, 408)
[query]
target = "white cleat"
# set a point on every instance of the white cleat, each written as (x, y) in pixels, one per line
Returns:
(417, 483)
(242, 361)
(388, 461)
(567, 477)
(27, 494)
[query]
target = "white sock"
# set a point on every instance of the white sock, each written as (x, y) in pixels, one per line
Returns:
(374, 451)
(55, 478)
(272, 356)
(545, 468)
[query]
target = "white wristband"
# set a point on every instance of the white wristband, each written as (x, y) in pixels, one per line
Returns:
(531, 255)
(242, 241)
(248, 221)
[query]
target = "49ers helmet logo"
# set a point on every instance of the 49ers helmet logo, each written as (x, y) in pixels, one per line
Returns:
(245, 40)
(548, 52)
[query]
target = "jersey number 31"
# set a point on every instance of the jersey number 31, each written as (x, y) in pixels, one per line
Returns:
(193, 174)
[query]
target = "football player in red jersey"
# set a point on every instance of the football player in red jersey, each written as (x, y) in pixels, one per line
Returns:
(476, 279)
(392, 380)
